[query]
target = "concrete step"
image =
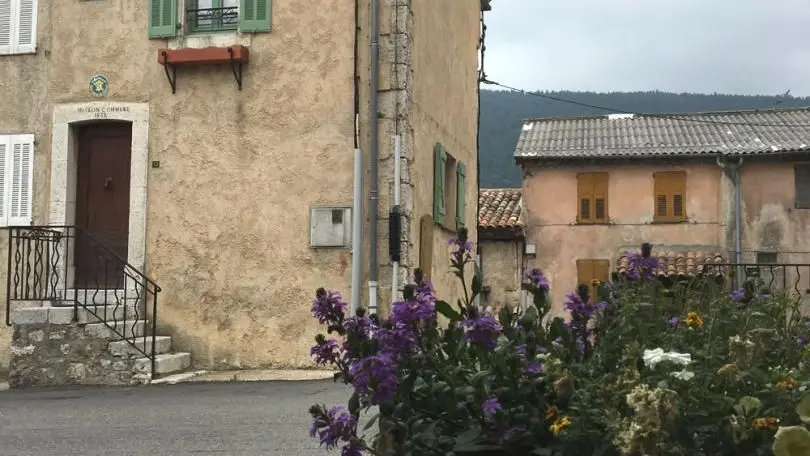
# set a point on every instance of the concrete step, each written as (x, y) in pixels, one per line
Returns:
(64, 315)
(129, 329)
(164, 364)
(163, 344)
(101, 297)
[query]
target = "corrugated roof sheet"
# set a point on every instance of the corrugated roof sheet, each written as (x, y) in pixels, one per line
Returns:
(628, 135)
(499, 208)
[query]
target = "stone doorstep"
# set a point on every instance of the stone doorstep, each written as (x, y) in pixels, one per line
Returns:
(164, 363)
(134, 329)
(64, 315)
(163, 344)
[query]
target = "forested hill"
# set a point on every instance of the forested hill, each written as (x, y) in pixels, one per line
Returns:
(502, 114)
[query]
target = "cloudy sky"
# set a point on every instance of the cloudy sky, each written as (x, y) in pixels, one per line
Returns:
(726, 46)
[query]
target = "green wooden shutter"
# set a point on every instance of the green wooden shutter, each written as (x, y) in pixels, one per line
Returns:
(254, 16)
(439, 164)
(461, 193)
(162, 18)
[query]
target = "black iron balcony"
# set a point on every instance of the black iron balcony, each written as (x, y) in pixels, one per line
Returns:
(209, 19)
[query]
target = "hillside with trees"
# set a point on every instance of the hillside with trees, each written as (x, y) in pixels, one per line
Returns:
(502, 114)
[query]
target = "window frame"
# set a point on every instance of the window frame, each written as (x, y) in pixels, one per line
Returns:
(15, 18)
(669, 184)
(590, 186)
(798, 170)
(215, 4)
(447, 171)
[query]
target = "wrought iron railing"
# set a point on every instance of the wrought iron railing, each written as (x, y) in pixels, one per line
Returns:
(69, 266)
(226, 18)
(770, 278)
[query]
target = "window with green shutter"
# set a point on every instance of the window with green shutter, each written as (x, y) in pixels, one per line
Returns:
(461, 193)
(162, 18)
(255, 16)
(439, 164)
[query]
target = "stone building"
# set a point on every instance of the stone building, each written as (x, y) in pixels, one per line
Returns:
(702, 188)
(211, 145)
(503, 250)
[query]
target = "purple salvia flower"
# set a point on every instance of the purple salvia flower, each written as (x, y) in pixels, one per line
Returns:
(412, 312)
(462, 250)
(482, 331)
(400, 340)
(325, 353)
(673, 321)
(353, 448)
(375, 378)
(641, 267)
(537, 279)
(335, 425)
(802, 341)
(358, 329)
(532, 368)
(737, 295)
(491, 406)
(328, 307)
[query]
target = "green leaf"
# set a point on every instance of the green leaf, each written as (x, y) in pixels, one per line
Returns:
(371, 422)
(354, 404)
(791, 441)
(444, 308)
(803, 409)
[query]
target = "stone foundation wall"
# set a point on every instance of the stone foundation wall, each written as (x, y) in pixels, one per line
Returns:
(46, 354)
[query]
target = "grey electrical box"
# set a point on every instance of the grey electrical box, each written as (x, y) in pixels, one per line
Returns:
(330, 227)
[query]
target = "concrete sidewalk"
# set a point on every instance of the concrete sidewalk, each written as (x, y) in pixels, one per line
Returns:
(259, 375)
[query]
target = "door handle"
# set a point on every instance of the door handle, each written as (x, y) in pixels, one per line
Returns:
(108, 182)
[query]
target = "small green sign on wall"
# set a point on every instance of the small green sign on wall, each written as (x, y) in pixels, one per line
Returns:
(99, 85)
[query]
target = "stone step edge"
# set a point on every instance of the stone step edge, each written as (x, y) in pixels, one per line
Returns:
(163, 344)
(165, 363)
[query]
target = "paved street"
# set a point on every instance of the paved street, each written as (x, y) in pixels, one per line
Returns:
(253, 418)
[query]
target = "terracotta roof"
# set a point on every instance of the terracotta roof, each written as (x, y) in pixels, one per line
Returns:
(679, 263)
(499, 208)
(767, 131)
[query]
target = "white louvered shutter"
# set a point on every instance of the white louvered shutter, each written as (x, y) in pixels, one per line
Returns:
(5, 143)
(5, 26)
(26, 29)
(20, 190)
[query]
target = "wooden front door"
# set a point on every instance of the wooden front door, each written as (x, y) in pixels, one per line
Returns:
(102, 204)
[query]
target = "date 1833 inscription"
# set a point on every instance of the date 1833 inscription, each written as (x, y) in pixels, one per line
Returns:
(103, 112)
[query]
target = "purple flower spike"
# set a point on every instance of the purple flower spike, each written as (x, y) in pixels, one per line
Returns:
(482, 331)
(375, 378)
(325, 353)
(737, 295)
(491, 406)
(336, 425)
(328, 307)
(537, 279)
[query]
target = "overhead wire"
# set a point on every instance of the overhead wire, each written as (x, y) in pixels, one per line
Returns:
(682, 118)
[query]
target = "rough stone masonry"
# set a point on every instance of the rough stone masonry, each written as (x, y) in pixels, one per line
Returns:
(47, 354)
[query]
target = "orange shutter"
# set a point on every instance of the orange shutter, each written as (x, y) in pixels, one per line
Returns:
(670, 196)
(600, 197)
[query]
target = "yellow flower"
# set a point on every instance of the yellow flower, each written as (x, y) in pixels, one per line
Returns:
(770, 422)
(788, 384)
(560, 425)
(693, 319)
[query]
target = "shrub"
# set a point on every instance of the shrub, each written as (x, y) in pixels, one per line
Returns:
(646, 367)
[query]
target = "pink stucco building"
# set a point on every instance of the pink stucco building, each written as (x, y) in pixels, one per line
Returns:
(718, 187)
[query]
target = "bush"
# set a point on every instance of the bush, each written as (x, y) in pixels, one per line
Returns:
(646, 367)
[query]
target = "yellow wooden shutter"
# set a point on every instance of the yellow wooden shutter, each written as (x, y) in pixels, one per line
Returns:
(600, 197)
(585, 198)
(670, 196)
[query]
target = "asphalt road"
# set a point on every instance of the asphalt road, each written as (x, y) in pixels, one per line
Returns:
(256, 418)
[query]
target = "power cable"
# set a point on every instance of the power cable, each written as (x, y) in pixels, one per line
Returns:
(622, 111)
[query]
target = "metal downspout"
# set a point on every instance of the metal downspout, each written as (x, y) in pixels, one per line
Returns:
(737, 184)
(373, 156)
(357, 203)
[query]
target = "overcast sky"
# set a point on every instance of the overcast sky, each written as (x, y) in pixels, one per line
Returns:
(704, 46)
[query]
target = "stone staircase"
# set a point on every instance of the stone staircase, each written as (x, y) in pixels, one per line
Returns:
(100, 324)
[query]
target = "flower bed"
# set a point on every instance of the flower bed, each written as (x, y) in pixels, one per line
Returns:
(644, 368)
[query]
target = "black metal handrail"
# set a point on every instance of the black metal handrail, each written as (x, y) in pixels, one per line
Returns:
(787, 277)
(213, 18)
(70, 264)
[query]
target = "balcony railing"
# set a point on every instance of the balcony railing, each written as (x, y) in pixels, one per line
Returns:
(208, 19)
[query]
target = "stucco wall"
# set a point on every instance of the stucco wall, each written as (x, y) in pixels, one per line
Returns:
(502, 263)
(228, 208)
(772, 223)
(445, 38)
(26, 110)
(550, 205)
